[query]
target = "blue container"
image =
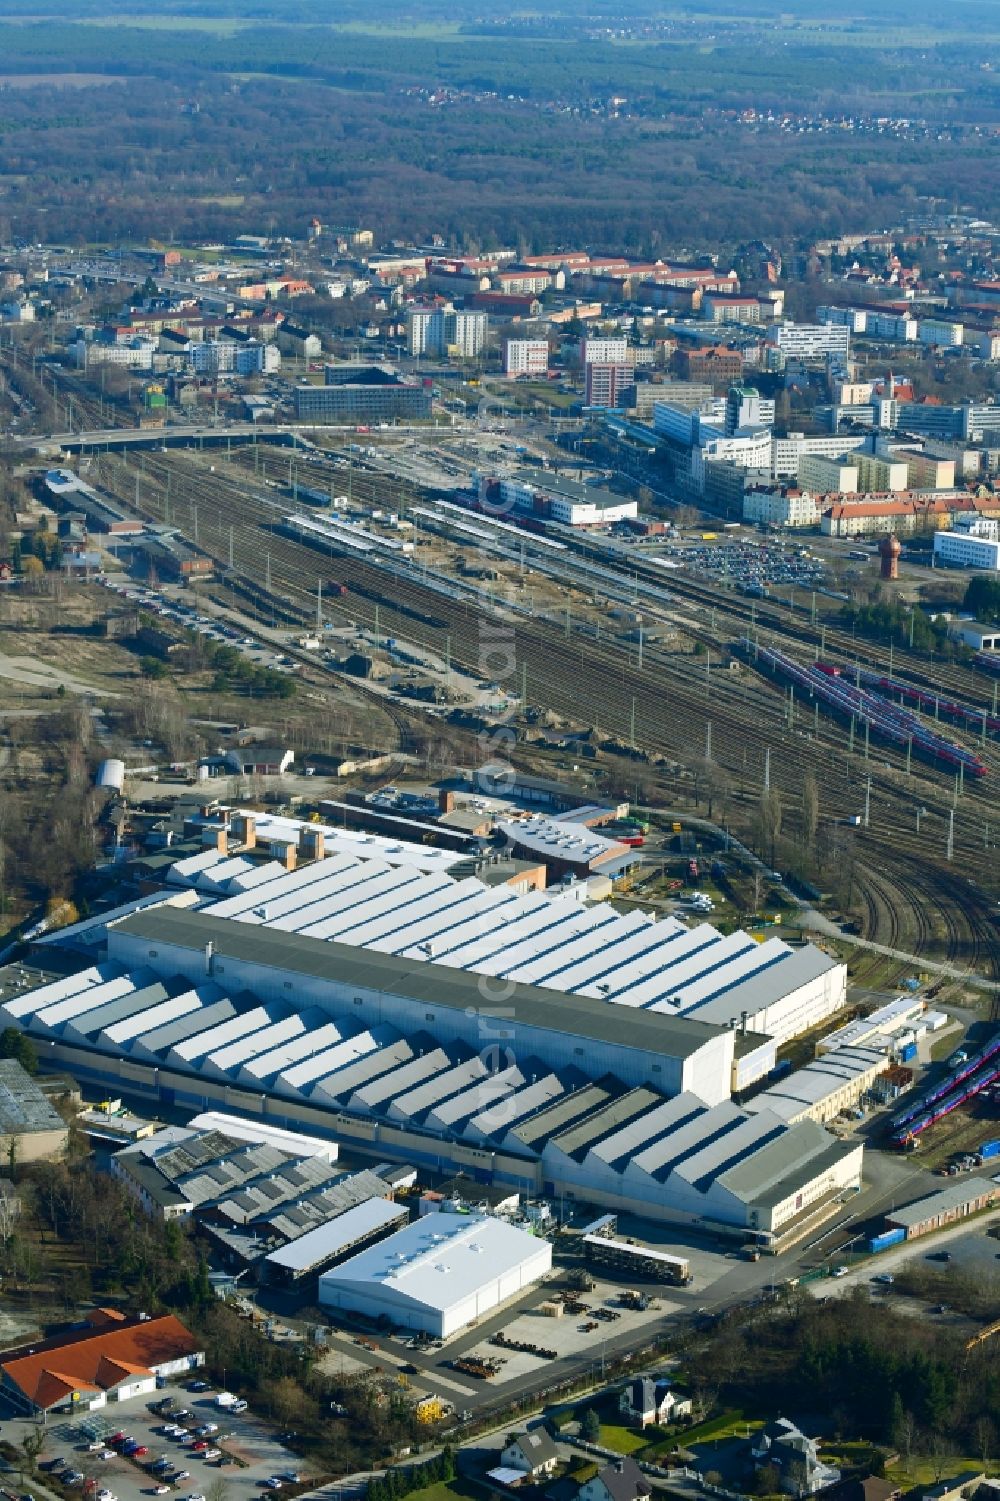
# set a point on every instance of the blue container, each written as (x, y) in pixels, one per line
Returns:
(907, 1053)
(886, 1239)
(989, 1149)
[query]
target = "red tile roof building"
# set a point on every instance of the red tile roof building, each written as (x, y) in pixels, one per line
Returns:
(111, 1358)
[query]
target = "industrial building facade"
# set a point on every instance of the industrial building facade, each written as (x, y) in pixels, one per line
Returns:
(509, 1081)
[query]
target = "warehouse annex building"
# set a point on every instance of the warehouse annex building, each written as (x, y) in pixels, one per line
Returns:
(406, 1059)
(438, 1274)
(30, 1126)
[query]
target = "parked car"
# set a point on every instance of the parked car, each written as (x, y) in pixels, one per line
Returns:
(839, 1271)
(885, 1278)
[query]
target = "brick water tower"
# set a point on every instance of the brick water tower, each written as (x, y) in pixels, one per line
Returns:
(889, 550)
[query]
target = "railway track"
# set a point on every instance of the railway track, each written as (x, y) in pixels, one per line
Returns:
(720, 601)
(589, 681)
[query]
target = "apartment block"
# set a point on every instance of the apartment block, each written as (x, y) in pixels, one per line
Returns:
(609, 385)
(525, 357)
(599, 351)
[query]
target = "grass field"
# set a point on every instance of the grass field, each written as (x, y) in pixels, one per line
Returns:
(623, 1440)
(217, 25)
(59, 80)
(448, 1490)
(921, 1471)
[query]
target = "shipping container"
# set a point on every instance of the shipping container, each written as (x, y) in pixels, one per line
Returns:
(989, 1149)
(886, 1239)
(907, 1054)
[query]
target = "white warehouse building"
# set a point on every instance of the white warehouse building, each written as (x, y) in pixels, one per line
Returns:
(438, 1274)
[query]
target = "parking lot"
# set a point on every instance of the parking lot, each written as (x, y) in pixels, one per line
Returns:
(247, 1455)
(751, 566)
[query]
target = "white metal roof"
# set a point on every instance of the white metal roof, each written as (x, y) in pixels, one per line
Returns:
(89, 999)
(328, 1059)
(437, 1090)
(30, 1002)
(514, 1107)
(439, 1261)
(261, 1131)
(593, 951)
(552, 839)
(817, 1080)
(336, 1235)
(202, 1043)
(236, 1053)
(265, 1065)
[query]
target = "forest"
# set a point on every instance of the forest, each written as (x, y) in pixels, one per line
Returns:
(872, 1372)
(194, 122)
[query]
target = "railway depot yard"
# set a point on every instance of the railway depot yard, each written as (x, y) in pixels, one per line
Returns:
(595, 638)
(582, 628)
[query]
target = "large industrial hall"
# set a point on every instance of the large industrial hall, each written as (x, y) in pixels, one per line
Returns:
(521, 1039)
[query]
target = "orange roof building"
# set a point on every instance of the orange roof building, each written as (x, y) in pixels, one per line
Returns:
(111, 1358)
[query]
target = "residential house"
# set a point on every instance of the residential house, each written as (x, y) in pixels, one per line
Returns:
(871, 1488)
(795, 1457)
(532, 1453)
(646, 1402)
(622, 1480)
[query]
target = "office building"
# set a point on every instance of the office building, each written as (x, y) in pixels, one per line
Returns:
(377, 398)
(971, 546)
(745, 407)
(811, 340)
(784, 505)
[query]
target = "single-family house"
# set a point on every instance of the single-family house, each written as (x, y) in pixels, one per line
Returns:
(622, 1480)
(532, 1453)
(647, 1402)
(795, 1457)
